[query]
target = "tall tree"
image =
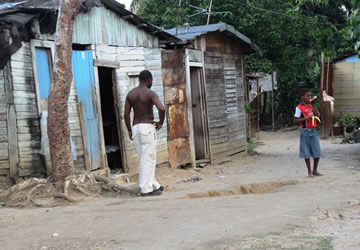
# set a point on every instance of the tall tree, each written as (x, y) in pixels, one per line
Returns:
(137, 6)
(291, 34)
(355, 23)
(58, 125)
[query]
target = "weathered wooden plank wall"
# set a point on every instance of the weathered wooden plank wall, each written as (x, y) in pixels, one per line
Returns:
(216, 101)
(346, 88)
(103, 26)
(4, 152)
(237, 116)
(27, 116)
(225, 97)
(132, 62)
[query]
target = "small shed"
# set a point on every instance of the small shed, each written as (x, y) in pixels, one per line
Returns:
(343, 83)
(204, 86)
(111, 46)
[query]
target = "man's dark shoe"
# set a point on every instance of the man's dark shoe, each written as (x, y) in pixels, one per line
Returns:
(161, 188)
(153, 193)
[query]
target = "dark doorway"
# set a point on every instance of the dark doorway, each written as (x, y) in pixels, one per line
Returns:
(199, 115)
(109, 110)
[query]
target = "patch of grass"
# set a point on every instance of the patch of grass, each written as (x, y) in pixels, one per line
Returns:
(252, 145)
(287, 242)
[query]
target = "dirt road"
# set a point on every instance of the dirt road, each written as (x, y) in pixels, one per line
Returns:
(259, 202)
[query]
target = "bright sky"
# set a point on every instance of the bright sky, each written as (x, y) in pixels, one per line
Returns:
(126, 2)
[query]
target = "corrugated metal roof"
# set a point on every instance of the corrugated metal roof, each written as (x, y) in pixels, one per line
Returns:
(190, 33)
(348, 57)
(12, 8)
(104, 26)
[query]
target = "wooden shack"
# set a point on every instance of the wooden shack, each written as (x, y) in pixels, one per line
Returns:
(343, 83)
(204, 94)
(110, 47)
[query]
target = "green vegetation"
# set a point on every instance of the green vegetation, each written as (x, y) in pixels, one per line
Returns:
(287, 242)
(292, 34)
(252, 145)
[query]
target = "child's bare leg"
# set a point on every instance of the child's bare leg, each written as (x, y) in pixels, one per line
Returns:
(308, 165)
(316, 162)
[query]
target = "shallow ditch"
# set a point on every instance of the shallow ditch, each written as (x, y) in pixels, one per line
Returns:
(256, 188)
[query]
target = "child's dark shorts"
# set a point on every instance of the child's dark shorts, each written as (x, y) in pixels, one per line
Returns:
(309, 144)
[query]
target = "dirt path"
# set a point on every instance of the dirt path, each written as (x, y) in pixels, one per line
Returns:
(260, 202)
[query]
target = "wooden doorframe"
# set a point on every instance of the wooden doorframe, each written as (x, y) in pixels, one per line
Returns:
(34, 44)
(203, 109)
(203, 50)
(189, 108)
(40, 44)
(113, 66)
(189, 64)
(118, 119)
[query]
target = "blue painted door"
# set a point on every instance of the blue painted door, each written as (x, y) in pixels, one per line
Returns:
(83, 70)
(43, 72)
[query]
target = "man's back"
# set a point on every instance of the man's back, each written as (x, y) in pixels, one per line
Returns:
(141, 100)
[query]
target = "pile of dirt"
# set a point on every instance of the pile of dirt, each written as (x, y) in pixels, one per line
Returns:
(45, 193)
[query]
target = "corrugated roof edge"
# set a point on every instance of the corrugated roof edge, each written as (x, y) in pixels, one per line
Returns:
(119, 8)
(32, 6)
(212, 28)
(346, 55)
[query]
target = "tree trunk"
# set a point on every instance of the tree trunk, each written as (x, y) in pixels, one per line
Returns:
(58, 125)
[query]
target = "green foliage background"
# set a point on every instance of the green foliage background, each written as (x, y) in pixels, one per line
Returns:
(292, 34)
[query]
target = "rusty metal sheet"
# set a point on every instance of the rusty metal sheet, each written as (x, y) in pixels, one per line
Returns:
(179, 152)
(173, 58)
(174, 81)
(174, 76)
(173, 95)
(177, 122)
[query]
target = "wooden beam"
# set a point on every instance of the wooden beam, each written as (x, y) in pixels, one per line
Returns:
(208, 19)
(322, 77)
(141, 25)
(322, 104)
(118, 120)
(127, 17)
(11, 122)
(13, 141)
(96, 99)
(272, 102)
(105, 63)
(189, 110)
(258, 109)
(83, 136)
(196, 64)
(207, 127)
(9, 91)
(327, 75)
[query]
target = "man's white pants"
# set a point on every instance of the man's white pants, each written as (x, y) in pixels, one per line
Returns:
(145, 140)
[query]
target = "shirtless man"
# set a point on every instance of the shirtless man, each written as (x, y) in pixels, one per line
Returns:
(143, 131)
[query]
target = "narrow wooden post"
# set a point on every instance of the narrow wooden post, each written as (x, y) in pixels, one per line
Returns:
(83, 137)
(208, 19)
(258, 108)
(11, 122)
(322, 106)
(272, 102)
(327, 76)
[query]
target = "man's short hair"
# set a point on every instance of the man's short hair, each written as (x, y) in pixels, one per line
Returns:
(304, 91)
(145, 75)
